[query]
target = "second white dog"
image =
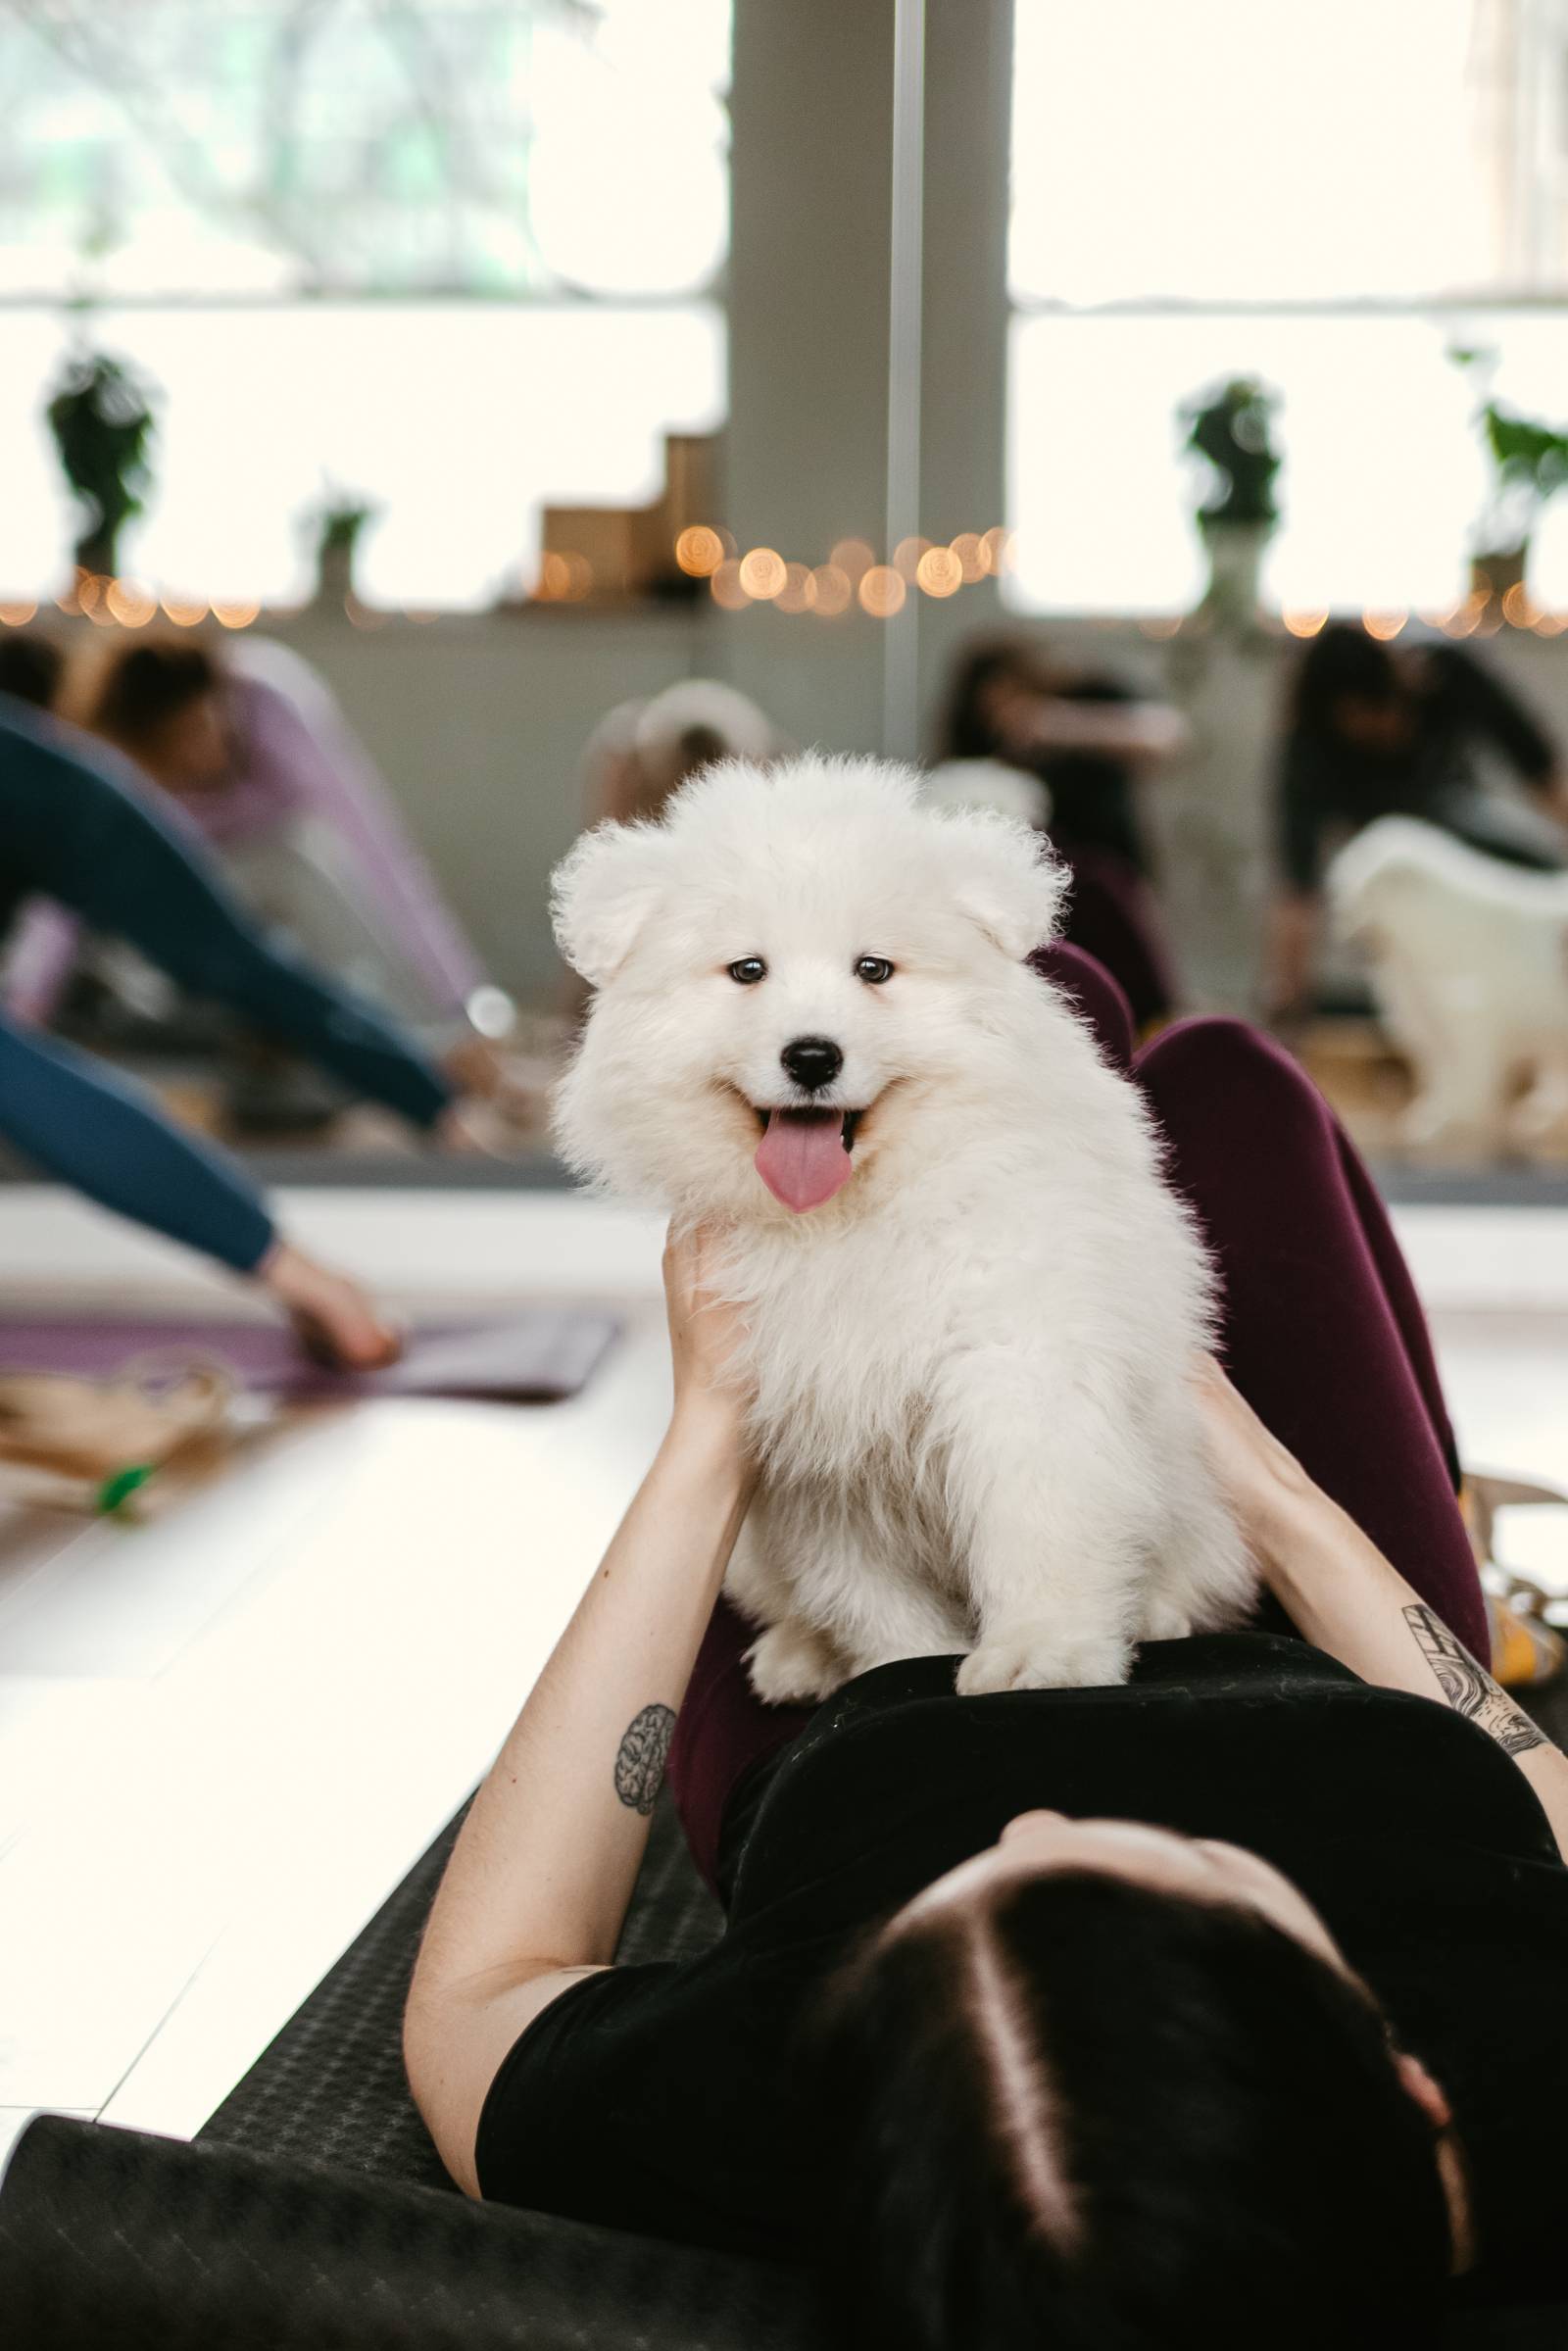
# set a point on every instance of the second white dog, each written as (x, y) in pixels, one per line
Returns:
(970, 1301)
(1469, 962)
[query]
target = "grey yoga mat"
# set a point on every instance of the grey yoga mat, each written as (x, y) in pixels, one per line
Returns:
(534, 1357)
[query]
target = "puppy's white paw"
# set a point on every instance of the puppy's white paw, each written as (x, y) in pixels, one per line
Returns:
(794, 1665)
(1037, 1657)
(1164, 1620)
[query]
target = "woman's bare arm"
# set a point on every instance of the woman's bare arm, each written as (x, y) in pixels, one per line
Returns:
(1339, 1590)
(537, 1887)
(1144, 734)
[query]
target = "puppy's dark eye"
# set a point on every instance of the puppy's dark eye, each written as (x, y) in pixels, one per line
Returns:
(748, 971)
(874, 970)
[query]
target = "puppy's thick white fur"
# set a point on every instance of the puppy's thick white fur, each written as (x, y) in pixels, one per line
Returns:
(970, 1364)
(1469, 961)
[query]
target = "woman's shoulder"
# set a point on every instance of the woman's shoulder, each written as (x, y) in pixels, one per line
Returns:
(652, 2098)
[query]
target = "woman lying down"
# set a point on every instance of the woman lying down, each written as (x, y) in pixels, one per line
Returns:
(1220, 2008)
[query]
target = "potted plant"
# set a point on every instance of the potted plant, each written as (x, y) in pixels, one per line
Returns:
(338, 523)
(102, 422)
(1528, 467)
(1229, 428)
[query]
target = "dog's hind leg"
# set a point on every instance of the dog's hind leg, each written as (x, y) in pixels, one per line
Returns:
(859, 1592)
(1052, 1512)
(1202, 1580)
(1538, 1120)
(795, 1660)
(894, 1613)
(794, 1664)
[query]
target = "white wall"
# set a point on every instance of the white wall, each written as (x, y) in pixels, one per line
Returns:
(478, 725)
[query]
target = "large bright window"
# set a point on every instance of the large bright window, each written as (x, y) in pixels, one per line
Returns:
(1329, 198)
(457, 256)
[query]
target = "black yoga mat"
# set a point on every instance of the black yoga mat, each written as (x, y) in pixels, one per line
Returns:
(312, 2215)
(331, 2088)
(110, 2241)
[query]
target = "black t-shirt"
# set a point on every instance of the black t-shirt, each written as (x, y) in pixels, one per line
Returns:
(1328, 785)
(668, 2099)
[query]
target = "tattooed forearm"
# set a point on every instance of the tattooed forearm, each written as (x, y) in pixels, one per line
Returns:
(1468, 1688)
(641, 1757)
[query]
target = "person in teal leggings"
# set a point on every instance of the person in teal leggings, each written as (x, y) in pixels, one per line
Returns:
(73, 829)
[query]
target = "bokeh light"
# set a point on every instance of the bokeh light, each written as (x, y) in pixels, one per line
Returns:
(939, 571)
(18, 611)
(763, 574)
(853, 557)
(907, 556)
(971, 559)
(565, 578)
(185, 611)
(796, 594)
(1519, 607)
(1306, 623)
(236, 612)
(699, 551)
(724, 586)
(131, 604)
(1384, 625)
(995, 549)
(832, 591)
(882, 592)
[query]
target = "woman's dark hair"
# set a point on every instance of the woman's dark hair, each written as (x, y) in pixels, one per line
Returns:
(30, 667)
(1341, 661)
(1087, 2117)
(965, 733)
(147, 684)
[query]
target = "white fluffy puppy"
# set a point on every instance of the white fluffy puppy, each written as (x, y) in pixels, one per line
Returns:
(1469, 963)
(970, 1301)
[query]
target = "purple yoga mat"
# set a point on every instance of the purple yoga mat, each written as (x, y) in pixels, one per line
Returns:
(534, 1358)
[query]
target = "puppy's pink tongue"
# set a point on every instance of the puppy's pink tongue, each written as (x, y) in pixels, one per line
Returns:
(801, 1158)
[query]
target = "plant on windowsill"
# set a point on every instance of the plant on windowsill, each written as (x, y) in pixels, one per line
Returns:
(102, 422)
(1229, 430)
(340, 522)
(1528, 467)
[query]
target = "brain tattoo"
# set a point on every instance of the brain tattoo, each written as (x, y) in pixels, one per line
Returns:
(642, 1755)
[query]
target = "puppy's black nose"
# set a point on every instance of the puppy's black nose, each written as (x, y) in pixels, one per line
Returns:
(812, 1061)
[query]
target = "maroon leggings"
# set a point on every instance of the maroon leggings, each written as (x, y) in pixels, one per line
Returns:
(1112, 915)
(1320, 1330)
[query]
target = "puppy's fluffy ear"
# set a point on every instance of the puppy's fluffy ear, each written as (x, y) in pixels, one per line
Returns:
(603, 892)
(1007, 880)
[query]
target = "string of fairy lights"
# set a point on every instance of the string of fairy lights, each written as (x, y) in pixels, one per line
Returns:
(852, 579)
(129, 603)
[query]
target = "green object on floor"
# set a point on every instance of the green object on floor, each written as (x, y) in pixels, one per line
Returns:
(117, 1489)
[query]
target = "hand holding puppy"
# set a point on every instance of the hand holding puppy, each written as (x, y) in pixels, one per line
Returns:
(704, 1329)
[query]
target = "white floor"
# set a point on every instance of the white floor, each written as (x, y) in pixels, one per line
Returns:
(224, 1736)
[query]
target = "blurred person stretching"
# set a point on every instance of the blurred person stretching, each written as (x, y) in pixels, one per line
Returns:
(1090, 739)
(253, 748)
(75, 829)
